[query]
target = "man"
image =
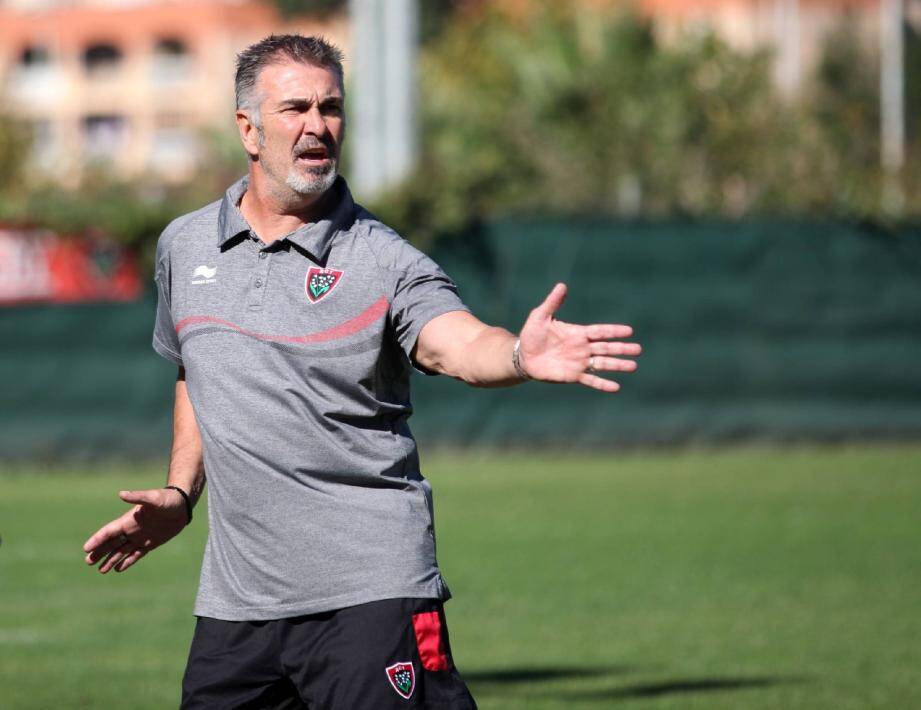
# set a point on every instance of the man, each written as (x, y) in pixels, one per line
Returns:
(295, 319)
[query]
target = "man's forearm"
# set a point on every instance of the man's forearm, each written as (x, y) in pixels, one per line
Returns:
(460, 345)
(487, 360)
(186, 468)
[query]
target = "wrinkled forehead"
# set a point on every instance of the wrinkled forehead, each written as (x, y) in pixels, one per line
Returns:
(289, 79)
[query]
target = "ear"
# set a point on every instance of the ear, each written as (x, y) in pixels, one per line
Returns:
(249, 134)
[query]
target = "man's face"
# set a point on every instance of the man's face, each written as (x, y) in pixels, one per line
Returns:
(303, 124)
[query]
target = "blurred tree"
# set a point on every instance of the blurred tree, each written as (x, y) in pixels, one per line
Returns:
(125, 212)
(290, 8)
(15, 146)
(564, 109)
(131, 212)
(843, 106)
(569, 110)
(433, 14)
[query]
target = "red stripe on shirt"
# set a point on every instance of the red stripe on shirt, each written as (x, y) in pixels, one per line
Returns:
(368, 316)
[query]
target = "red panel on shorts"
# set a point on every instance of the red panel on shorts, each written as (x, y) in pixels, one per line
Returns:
(430, 641)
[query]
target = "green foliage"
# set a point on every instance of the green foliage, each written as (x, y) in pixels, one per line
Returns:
(291, 8)
(843, 108)
(130, 212)
(433, 14)
(125, 212)
(570, 110)
(15, 145)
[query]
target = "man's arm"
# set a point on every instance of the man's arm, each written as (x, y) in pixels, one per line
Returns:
(460, 345)
(186, 467)
(158, 514)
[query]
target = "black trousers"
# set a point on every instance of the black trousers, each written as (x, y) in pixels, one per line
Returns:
(393, 653)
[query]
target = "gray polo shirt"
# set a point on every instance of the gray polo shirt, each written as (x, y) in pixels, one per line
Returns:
(297, 359)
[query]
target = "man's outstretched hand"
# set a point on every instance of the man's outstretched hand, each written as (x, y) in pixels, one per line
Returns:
(554, 351)
(157, 516)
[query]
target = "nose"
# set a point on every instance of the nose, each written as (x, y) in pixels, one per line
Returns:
(314, 122)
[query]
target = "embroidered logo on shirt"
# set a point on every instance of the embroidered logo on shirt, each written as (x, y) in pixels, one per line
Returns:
(402, 678)
(204, 275)
(320, 282)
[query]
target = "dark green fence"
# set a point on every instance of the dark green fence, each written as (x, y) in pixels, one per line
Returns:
(769, 331)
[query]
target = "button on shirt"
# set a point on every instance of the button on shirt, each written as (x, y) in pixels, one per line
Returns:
(297, 358)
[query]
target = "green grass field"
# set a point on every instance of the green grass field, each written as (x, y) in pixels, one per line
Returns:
(740, 579)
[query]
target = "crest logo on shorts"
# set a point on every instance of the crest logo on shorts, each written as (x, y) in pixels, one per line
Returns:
(320, 282)
(402, 678)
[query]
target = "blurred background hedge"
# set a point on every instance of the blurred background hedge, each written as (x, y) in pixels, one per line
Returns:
(571, 111)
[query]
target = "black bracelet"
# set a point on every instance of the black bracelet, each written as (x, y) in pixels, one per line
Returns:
(185, 497)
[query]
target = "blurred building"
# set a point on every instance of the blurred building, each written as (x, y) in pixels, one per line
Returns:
(131, 84)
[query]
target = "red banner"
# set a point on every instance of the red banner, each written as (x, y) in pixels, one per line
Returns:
(38, 266)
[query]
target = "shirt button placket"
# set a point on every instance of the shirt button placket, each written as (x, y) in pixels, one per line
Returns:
(259, 280)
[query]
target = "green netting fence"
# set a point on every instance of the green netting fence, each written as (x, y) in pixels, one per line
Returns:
(767, 330)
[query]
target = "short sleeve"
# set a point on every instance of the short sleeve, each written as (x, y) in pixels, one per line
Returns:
(422, 292)
(165, 340)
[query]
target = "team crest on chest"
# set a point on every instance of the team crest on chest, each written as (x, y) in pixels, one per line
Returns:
(402, 678)
(319, 283)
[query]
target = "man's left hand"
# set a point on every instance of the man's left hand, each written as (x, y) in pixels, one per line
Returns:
(554, 351)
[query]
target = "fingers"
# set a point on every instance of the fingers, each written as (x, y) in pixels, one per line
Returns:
(107, 534)
(114, 558)
(604, 347)
(611, 364)
(598, 383)
(106, 547)
(103, 538)
(553, 301)
(606, 331)
(118, 554)
(111, 552)
(100, 552)
(129, 560)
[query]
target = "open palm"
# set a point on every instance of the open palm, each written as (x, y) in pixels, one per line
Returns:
(555, 351)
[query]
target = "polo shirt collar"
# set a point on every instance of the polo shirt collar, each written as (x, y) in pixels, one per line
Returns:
(230, 221)
(315, 237)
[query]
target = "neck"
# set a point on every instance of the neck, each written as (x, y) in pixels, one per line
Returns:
(272, 215)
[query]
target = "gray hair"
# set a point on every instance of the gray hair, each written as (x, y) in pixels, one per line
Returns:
(277, 48)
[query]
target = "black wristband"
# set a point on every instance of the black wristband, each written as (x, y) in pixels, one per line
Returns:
(185, 497)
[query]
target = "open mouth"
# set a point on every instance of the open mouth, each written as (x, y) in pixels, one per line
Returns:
(314, 156)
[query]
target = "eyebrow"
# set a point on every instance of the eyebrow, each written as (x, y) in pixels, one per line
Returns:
(299, 102)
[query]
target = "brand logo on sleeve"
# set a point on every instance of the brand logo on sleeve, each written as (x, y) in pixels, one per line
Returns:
(204, 275)
(402, 678)
(319, 283)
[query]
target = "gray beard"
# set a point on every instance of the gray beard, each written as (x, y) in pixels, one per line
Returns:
(316, 180)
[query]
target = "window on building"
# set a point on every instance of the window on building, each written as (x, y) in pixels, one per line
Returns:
(101, 59)
(103, 137)
(33, 77)
(171, 61)
(175, 147)
(34, 56)
(174, 151)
